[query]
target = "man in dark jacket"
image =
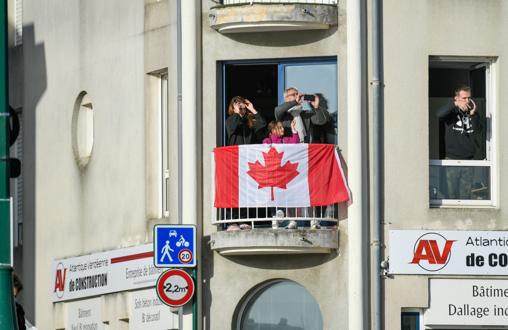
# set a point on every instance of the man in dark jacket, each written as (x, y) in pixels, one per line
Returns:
(313, 121)
(462, 127)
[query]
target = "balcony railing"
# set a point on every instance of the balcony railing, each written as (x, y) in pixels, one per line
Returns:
(278, 218)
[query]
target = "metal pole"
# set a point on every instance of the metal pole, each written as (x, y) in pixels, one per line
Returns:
(377, 243)
(357, 153)
(7, 312)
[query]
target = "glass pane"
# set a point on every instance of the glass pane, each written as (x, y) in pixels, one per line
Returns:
(459, 182)
(283, 306)
(409, 321)
(317, 78)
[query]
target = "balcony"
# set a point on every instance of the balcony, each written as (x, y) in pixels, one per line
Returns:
(237, 16)
(270, 235)
(276, 199)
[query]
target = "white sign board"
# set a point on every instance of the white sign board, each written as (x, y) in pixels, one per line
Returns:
(105, 272)
(147, 312)
(448, 252)
(84, 315)
(467, 302)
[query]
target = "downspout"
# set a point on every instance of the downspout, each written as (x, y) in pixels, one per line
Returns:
(190, 166)
(7, 313)
(377, 242)
(357, 156)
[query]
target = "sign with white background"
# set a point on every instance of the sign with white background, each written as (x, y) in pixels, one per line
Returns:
(84, 315)
(464, 302)
(448, 252)
(147, 312)
(104, 272)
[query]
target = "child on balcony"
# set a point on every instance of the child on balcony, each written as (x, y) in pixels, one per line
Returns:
(276, 135)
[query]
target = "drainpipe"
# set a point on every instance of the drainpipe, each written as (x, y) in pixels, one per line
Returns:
(377, 242)
(357, 152)
(7, 313)
(189, 116)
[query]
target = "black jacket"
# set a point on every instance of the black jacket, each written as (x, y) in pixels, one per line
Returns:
(461, 132)
(239, 132)
(314, 121)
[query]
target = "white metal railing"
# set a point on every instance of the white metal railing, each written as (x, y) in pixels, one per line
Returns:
(326, 2)
(270, 217)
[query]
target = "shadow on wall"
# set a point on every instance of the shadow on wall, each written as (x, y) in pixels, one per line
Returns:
(31, 77)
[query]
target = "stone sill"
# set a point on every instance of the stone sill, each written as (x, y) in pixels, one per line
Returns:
(275, 241)
(266, 17)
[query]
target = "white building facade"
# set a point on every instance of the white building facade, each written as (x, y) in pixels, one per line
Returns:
(123, 102)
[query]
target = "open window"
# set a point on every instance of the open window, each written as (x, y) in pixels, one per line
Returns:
(461, 151)
(263, 83)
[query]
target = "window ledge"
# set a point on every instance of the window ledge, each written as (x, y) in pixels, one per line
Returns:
(275, 241)
(272, 17)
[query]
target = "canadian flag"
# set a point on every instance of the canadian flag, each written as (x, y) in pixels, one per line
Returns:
(283, 175)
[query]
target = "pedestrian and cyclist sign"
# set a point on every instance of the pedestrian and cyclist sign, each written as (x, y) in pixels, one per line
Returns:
(174, 246)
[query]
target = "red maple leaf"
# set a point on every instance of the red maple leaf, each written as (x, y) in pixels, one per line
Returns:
(272, 174)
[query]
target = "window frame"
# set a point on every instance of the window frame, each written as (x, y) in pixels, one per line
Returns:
(491, 141)
(281, 63)
(413, 312)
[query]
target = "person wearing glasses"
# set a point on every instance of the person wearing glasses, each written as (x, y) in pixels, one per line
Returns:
(310, 124)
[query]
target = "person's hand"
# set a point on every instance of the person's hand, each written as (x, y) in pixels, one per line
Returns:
(299, 98)
(293, 126)
(315, 103)
(236, 108)
(472, 107)
(250, 106)
(462, 103)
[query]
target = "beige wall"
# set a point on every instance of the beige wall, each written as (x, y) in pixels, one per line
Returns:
(414, 30)
(228, 279)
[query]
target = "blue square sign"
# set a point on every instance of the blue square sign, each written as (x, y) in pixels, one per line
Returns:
(174, 246)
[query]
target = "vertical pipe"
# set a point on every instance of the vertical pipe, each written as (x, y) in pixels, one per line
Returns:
(377, 242)
(190, 129)
(358, 222)
(7, 314)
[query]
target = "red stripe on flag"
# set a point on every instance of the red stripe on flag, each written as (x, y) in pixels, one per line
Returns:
(326, 182)
(131, 257)
(226, 177)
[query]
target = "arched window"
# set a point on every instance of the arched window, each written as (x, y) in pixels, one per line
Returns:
(279, 305)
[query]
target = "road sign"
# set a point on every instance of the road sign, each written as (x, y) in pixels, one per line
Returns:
(175, 287)
(174, 246)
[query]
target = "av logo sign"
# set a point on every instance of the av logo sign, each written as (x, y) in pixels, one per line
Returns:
(60, 275)
(432, 251)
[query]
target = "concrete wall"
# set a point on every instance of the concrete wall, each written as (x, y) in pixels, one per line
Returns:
(414, 30)
(69, 47)
(228, 279)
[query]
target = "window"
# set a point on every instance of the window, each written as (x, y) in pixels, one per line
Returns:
(279, 305)
(164, 143)
(263, 83)
(410, 320)
(83, 129)
(461, 142)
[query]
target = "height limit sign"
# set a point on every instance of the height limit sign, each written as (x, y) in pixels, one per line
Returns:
(174, 246)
